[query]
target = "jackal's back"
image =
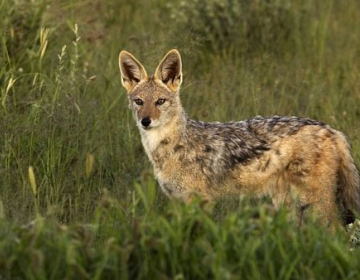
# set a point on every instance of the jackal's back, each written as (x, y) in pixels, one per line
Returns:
(249, 139)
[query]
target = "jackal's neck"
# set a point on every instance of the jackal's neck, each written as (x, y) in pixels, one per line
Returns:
(164, 136)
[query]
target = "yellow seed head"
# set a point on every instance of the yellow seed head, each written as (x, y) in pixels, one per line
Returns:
(32, 180)
(10, 84)
(89, 164)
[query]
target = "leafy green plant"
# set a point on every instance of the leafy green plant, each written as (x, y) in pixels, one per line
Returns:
(249, 26)
(354, 232)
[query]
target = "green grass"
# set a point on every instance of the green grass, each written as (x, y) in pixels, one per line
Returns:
(95, 210)
(182, 242)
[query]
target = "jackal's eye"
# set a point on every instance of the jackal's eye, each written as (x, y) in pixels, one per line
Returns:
(160, 101)
(138, 101)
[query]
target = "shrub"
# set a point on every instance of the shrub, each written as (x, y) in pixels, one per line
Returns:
(245, 25)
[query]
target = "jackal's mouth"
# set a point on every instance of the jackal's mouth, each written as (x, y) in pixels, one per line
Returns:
(146, 127)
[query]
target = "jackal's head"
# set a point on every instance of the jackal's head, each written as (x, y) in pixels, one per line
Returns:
(154, 100)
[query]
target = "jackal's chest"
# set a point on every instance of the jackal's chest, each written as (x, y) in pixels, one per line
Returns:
(171, 189)
(176, 175)
(181, 168)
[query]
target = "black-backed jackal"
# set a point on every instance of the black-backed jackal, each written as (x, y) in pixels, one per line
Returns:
(279, 157)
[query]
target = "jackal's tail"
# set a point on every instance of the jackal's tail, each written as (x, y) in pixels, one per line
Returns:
(349, 182)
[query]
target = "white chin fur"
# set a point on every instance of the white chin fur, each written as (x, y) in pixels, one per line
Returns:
(152, 137)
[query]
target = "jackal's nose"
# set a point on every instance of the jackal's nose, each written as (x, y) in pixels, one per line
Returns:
(146, 122)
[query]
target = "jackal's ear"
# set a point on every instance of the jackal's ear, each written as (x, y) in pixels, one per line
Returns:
(169, 70)
(132, 72)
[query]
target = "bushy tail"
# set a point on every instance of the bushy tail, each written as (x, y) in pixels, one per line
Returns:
(349, 189)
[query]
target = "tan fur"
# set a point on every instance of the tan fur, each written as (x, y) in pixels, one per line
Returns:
(299, 163)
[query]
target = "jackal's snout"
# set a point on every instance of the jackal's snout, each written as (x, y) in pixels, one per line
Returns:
(146, 122)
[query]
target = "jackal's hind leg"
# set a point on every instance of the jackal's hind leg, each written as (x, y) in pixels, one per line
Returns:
(320, 206)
